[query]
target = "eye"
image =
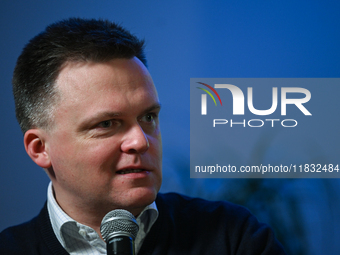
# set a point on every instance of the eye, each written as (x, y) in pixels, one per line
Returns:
(105, 124)
(150, 117)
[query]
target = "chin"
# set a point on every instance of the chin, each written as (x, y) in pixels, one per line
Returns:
(140, 198)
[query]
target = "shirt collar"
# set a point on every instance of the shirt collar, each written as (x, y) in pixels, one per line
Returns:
(69, 232)
(145, 221)
(57, 216)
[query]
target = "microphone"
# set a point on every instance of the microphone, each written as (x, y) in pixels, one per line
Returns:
(119, 229)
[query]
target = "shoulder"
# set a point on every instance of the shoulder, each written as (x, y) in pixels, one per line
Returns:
(177, 203)
(33, 237)
(226, 224)
(14, 239)
(201, 214)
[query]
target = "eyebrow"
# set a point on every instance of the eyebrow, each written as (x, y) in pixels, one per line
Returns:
(92, 120)
(156, 106)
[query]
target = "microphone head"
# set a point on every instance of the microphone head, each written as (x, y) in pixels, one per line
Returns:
(117, 223)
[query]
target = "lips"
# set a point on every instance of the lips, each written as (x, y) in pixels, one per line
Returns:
(129, 171)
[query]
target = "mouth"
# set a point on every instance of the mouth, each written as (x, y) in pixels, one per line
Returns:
(129, 171)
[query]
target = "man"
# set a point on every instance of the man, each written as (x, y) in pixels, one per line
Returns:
(89, 110)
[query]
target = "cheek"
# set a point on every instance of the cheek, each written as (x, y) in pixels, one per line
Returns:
(101, 152)
(156, 146)
(155, 153)
(78, 159)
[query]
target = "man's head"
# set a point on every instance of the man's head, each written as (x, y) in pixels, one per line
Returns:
(75, 40)
(98, 139)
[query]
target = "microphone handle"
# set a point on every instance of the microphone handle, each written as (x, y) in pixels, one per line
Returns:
(120, 245)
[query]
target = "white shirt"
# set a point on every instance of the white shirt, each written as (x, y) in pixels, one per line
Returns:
(78, 239)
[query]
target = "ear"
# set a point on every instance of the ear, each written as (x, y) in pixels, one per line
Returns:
(34, 141)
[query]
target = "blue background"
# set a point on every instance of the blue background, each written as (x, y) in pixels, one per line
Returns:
(187, 39)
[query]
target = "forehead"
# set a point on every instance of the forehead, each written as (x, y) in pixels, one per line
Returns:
(87, 79)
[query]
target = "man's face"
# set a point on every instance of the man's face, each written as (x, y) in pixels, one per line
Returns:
(105, 146)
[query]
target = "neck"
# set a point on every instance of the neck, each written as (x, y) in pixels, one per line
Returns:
(89, 214)
(85, 215)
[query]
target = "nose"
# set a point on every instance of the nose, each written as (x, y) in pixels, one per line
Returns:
(135, 141)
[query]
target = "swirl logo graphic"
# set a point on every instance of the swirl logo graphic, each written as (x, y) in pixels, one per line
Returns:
(204, 97)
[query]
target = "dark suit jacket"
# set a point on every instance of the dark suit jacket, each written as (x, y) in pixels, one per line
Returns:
(184, 226)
